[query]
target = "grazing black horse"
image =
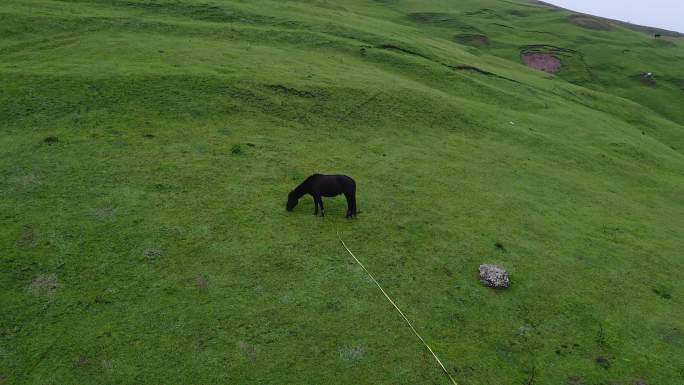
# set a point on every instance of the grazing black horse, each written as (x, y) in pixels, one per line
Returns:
(318, 186)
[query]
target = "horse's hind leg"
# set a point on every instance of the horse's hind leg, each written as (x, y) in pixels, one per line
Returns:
(351, 205)
(318, 201)
(353, 199)
(349, 208)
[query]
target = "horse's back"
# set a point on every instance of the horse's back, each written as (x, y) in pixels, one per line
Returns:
(332, 185)
(346, 181)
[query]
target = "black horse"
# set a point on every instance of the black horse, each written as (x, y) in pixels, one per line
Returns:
(318, 186)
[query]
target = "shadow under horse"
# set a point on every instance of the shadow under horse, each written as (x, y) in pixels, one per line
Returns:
(319, 186)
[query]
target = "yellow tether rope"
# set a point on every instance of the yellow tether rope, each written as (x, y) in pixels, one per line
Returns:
(399, 310)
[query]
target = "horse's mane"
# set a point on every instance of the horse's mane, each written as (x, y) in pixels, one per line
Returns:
(307, 181)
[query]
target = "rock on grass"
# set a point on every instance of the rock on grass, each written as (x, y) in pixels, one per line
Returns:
(494, 276)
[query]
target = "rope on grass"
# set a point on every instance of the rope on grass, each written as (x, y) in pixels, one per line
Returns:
(399, 310)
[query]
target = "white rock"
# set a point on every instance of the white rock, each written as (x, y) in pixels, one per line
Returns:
(494, 276)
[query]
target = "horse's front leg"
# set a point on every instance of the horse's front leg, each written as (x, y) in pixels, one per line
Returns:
(315, 204)
(349, 206)
(320, 203)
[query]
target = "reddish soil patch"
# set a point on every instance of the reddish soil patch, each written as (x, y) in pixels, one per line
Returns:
(542, 61)
(590, 22)
(474, 40)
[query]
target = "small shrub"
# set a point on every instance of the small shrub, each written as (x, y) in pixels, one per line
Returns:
(603, 362)
(152, 253)
(50, 140)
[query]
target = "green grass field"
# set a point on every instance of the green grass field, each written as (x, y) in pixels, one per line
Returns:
(148, 147)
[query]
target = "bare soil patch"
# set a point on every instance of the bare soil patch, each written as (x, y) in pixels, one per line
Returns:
(542, 61)
(517, 12)
(393, 47)
(82, 362)
(248, 351)
(465, 67)
(26, 238)
(352, 354)
(289, 91)
(546, 5)
(569, 63)
(439, 19)
(104, 213)
(44, 284)
(664, 42)
(484, 12)
(474, 40)
(201, 282)
(590, 22)
(575, 380)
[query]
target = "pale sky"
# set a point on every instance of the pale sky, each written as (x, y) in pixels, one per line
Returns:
(666, 14)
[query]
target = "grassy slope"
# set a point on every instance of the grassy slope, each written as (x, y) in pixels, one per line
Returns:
(182, 125)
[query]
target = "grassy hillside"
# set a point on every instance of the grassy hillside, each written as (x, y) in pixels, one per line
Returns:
(147, 149)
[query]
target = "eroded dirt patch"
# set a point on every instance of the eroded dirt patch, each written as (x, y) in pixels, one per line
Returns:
(465, 67)
(517, 12)
(441, 20)
(590, 22)
(474, 40)
(484, 12)
(248, 351)
(26, 238)
(105, 213)
(291, 91)
(393, 47)
(44, 284)
(201, 282)
(568, 63)
(545, 5)
(664, 42)
(352, 354)
(575, 380)
(543, 61)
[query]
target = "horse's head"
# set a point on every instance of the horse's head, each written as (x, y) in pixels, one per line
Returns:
(292, 201)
